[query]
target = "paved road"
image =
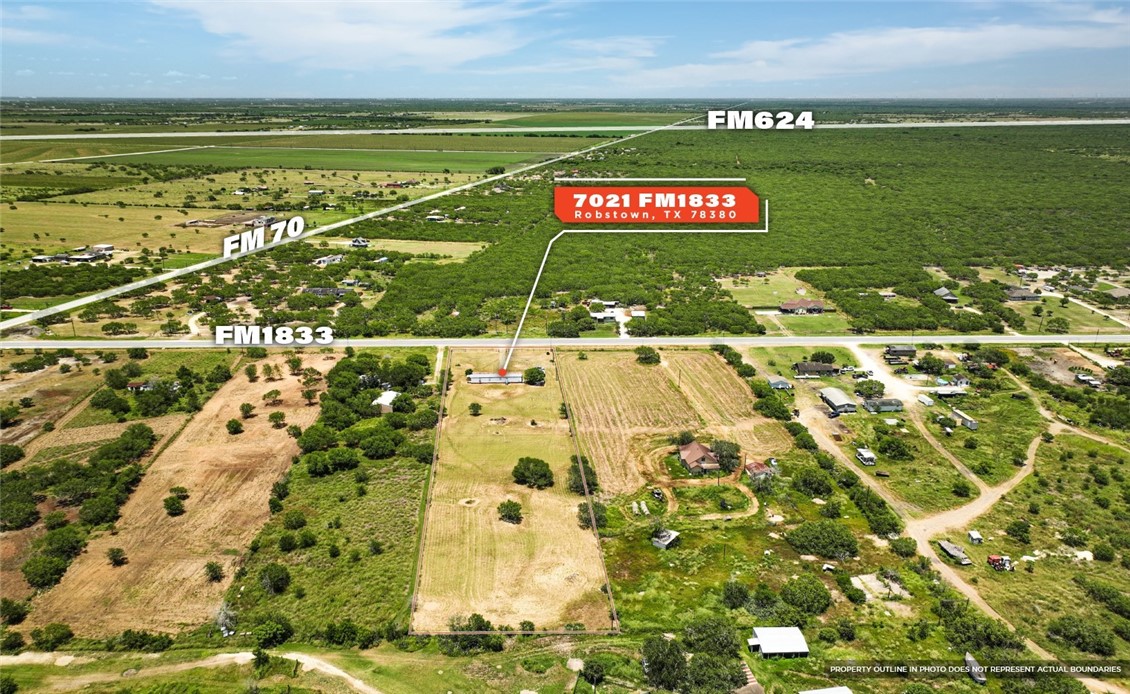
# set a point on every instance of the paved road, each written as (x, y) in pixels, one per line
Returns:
(605, 342)
(543, 129)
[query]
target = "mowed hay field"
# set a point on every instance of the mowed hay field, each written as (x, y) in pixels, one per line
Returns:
(163, 587)
(618, 407)
(547, 569)
(623, 410)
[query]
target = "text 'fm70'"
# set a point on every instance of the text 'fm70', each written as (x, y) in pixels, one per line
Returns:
(257, 238)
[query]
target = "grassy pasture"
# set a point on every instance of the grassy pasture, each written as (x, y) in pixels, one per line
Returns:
(926, 480)
(545, 569)
(61, 227)
(1005, 428)
(1080, 318)
(823, 324)
(287, 158)
(458, 250)
(769, 291)
(32, 150)
(707, 499)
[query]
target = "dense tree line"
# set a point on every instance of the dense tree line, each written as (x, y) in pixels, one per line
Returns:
(61, 280)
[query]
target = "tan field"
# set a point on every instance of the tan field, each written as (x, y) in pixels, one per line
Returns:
(623, 410)
(55, 396)
(163, 587)
(546, 569)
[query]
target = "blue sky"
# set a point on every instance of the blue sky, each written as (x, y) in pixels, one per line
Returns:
(418, 48)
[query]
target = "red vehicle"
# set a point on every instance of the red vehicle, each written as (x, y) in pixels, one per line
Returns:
(1000, 563)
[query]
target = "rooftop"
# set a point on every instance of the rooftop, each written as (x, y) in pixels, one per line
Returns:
(779, 640)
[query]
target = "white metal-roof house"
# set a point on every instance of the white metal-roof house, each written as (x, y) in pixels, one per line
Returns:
(489, 377)
(778, 642)
(384, 402)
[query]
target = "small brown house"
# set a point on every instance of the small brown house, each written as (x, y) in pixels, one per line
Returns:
(697, 458)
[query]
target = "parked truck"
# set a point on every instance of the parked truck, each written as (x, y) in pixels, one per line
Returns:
(1000, 563)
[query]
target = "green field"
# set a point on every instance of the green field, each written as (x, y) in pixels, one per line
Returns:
(448, 143)
(769, 291)
(1005, 428)
(925, 480)
(32, 150)
(710, 499)
(350, 160)
(1081, 319)
(370, 590)
(458, 250)
(595, 118)
(822, 324)
(781, 359)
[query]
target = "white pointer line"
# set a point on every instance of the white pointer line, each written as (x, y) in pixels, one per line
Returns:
(157, 279)
(541, 268)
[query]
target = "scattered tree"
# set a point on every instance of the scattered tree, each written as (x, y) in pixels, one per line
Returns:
(174, 506)
(647, 355)
(533, 472)
(510, 511)
(214, 571)
(534, 376)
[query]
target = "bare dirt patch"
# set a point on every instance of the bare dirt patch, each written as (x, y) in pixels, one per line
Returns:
(1055, 364)
(53, 393)
(163, 587)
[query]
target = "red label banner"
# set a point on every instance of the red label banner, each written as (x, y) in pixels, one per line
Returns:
(656, 205)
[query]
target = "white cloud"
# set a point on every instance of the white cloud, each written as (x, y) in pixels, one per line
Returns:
(25, 73)
(885, 50)
(610, 54)
(347, 35)
(176, 73)
(31, 13)
(13, 35)
(622, 46)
